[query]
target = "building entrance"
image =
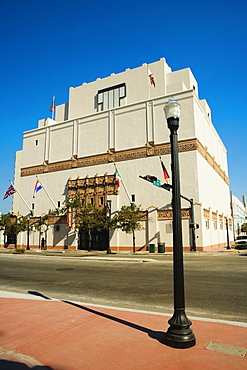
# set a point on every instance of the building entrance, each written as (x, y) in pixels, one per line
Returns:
(100, 240)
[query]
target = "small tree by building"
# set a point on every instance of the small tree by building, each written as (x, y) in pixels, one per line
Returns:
(13, 225)
(43, 223)
(128, 219)
(87, 216)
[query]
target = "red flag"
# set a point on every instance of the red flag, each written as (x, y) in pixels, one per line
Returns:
(165, 173)
(151, 76)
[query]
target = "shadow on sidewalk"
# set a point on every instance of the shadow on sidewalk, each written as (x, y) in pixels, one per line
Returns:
(158, 335)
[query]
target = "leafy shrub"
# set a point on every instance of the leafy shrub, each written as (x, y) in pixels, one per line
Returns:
(19, 251)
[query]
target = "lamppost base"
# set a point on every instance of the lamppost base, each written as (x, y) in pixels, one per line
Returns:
(179, 334)
(180, 338)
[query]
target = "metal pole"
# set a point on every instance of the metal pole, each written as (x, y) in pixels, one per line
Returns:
(227, 235)
(179, 334)
(28, 234)
(193, 233)
(108, 215)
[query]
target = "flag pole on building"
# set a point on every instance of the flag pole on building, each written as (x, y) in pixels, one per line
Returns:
(119, 180)
(47, 193)
(17, 191)
(53, 108)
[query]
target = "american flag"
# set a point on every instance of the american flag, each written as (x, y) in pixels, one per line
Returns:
(53, 107)
(11, 190)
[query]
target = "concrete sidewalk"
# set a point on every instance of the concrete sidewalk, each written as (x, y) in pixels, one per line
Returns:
(36, 331)
(123, 256)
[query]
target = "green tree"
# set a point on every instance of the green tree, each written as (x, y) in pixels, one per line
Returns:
(128, 219)
(244, 228)
(13, 224)
(87, 216)
(42, 224)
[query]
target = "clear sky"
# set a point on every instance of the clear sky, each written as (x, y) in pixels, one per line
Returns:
(49, 46)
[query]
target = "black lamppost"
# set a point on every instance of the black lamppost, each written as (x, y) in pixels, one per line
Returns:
(28, 232)
(108, 217)
(179, 334)
(227, 235)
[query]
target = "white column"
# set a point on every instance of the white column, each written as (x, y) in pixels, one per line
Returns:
(47, 144)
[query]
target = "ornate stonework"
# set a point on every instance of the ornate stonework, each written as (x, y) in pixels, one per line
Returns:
(150, 149)
(93, 189)
(214, 216)
(52, 220)
(167, 214)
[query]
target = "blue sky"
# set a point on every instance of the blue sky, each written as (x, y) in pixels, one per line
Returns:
(48, 46)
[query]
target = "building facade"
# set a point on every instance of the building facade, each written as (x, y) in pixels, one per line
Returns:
(239, 214)
(118, 122)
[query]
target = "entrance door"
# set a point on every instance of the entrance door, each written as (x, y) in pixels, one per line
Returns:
(100, 240)
(11, 239)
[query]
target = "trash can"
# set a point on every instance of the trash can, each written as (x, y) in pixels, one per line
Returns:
(151, 248)
(161, 247)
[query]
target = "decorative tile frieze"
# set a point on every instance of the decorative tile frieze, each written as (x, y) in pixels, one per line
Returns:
(52, 220)
(150, 149)
(166, 214)
(214, 216)
(93, 189)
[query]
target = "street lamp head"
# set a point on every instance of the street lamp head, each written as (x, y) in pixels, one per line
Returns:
(172, 109)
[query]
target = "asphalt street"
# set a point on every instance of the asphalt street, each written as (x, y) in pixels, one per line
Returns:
(215, 285)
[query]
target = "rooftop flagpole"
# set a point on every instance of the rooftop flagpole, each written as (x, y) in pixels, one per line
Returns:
(152, 80)
(53, 108)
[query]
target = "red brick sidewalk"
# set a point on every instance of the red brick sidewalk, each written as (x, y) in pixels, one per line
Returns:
(67, 336)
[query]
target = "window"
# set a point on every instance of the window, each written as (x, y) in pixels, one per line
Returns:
(58, 204)
(101, 201)
(133, 198)
(92, 200)
(207, 224)
(57, 227)
(36, 142)
(109, 98)
(32, 205)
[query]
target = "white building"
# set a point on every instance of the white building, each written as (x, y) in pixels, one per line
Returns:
(239, 214)
(119, 119)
